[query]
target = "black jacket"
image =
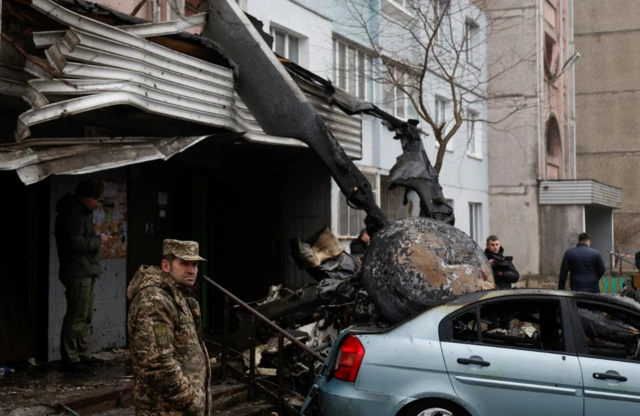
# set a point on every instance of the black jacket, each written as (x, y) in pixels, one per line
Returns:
(358, 246)
(504, 266)
(78, 244)
(585, 266)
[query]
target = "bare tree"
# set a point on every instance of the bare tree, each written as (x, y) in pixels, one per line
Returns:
(625, 231)
(433, 48)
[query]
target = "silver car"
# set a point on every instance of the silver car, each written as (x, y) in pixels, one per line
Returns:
(513, 353)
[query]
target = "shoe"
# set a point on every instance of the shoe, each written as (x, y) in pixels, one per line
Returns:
(75, 368)
(93, 362)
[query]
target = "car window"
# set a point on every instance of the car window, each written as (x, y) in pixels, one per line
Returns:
(464, 326)
(518, 323)
(610, 332)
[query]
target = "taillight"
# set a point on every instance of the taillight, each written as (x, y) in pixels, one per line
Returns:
(349, 359)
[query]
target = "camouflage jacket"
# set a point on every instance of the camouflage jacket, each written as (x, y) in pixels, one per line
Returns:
(172, 373)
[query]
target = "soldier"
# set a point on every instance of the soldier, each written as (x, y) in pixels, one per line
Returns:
(79, 256)
(171, 366)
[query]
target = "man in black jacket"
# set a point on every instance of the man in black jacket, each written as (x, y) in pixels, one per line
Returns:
(360, 244)
(504, 271)
(79, 256)
(585, 266)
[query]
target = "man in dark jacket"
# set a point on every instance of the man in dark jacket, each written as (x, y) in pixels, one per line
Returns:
(504, 271)
(79, 256)
(585, 266)
(360, 244)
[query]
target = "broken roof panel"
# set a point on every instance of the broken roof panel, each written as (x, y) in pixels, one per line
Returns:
(94, 64)
(80, 159)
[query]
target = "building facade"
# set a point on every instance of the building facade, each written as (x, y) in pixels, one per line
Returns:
(606, 34)
(328, 40)
(538, 207)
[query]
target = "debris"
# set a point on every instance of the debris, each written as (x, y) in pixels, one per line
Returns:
(269, 372)
(295, 401)
(114, 354)
(629, 290)
(33, 411)
(416, 263)
(6, 370)
(528, 329)
(32, 362)
(213, 361)
(274, 294)
(69, 410)
(258, 355)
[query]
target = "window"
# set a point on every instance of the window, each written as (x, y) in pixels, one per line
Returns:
(441, 111)
(554, 150)
(550, 56)
(610, 332)
(394, 100)
(473, 34)
(392, 200)
(351, 221)
(441, 107)
(285, 45)
(401, 3)
(475, 221)
(534, 324)
(464, 327)
(472, 134)
(353, 70)
(442, 17)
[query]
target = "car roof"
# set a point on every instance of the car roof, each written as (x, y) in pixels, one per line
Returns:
(612, 298)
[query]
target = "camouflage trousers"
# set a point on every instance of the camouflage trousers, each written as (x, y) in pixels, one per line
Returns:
(74, 338)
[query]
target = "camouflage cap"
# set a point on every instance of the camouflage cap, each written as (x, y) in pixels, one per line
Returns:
(185, 250)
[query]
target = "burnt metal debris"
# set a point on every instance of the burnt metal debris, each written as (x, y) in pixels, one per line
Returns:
(416, 263)
(313, 315)
(412, 264)
(629, 290)
(261, 79)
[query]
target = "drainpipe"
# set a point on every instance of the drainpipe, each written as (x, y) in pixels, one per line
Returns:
(542, 175)
(563, 105)
(155, 10)
(572, 98)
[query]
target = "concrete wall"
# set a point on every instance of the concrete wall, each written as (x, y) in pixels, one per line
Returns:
(514, 219)
(517, 144)
(560, 226)
(607, 97)
(514, 143)
(108, 328)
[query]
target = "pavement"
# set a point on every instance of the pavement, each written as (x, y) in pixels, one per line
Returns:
(40, 390)
(128, 411)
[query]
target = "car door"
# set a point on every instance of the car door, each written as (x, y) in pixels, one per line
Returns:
(517, 361)
(608, 345)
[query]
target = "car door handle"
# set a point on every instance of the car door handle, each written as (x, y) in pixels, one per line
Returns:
(605, 376)
(467, 361)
